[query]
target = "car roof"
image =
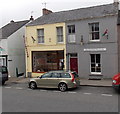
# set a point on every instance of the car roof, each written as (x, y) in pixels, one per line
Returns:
(61, 71)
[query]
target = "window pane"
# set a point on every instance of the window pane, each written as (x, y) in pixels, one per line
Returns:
(60, 34)
(47, 75)
(96, 35)
(96, 27)
(93, 36)
(40, 33)
(71, 29)
(95, 63)
(55, 75)
(65, 75)
(98, 69)
(92, 58)
(92, 69)
(97, 58)
(71, 38)
(46, 61)
(94, 31)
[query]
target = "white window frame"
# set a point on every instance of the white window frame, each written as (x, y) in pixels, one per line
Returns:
(95, 65)
(3, 61)
(59, 31)
(40, 34)
(91, 32)
(71, 34)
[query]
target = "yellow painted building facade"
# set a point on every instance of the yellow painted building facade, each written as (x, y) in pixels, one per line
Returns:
(43, 57)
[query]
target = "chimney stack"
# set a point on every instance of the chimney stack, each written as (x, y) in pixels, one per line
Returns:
(46, 11)
(11, 21)
(116, 4)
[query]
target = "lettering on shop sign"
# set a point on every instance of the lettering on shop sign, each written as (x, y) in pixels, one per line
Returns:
(95, 49)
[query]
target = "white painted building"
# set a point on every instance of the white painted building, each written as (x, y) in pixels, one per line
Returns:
(12, 47)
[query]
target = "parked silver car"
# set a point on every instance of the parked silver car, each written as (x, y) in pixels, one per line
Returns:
(56, 79)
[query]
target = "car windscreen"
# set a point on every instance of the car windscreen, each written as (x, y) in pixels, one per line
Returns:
(3, 69)
(75, 74)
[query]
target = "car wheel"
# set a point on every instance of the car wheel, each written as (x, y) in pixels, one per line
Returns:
(32, 85)
(62, 87)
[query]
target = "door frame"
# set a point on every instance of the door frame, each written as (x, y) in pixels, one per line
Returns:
(71, 55)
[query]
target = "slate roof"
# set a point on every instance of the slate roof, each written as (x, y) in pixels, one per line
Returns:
(10, 28)
(82, 13)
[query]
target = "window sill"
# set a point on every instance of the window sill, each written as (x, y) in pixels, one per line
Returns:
(60, 42)
(95, 74)
(94, 40)
(71, 42)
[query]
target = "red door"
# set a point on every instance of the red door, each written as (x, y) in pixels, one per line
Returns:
(74, 64)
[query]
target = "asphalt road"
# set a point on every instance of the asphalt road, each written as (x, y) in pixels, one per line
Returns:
(19, 98)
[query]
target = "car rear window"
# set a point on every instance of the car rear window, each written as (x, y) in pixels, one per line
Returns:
(65, 75)
(75, 74)
(3, 69)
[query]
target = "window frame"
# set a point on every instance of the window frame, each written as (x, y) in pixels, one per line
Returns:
(59, 33)
(41, 62)
(93, 32)
(71, 28)
(40, 37)
(44, 75)
(71, 33)
(96, 64)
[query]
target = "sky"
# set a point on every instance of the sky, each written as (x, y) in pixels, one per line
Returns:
(19, 10)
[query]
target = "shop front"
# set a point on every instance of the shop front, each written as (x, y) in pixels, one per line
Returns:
(44, 61)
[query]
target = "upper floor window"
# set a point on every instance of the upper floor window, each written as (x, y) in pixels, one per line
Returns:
(71, 29)
(59, 34)
(40, 33)
(71, 34)
(94, 31)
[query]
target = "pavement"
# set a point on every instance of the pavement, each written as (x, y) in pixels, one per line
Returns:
(83, 82)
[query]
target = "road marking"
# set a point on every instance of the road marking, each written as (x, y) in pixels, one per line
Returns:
(72, 92)
(87, 93)
(19, 88)
(7, 87)
(57, 91)
(106, 95)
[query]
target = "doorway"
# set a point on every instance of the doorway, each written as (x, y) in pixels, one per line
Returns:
(74, 62)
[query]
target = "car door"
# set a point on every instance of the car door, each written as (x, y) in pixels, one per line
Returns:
(55, 79)
(44, 80)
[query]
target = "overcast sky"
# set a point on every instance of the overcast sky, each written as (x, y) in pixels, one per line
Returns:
(19, 10)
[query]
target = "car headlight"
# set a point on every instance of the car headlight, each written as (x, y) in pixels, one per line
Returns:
(114, 81)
